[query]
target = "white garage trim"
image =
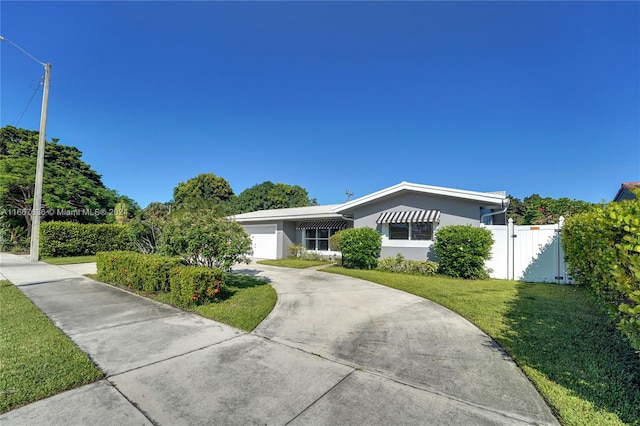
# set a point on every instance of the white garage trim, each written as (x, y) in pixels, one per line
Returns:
(264, 241)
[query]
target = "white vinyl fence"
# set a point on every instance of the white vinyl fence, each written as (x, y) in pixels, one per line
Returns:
(528, 253)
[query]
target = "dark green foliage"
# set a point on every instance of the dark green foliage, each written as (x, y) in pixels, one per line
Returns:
(602, 248)
(463, 250)
(150, 273)
(136, 271)
(334, 241)
(146, 228)
(401, 265)
(535, 210)
(61, 239)
(69, 184)
(360, 248)
(202, 238)
(268, 195)
(201, 190)
(196, 285)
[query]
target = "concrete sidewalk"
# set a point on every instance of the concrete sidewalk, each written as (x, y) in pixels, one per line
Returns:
(335, 350)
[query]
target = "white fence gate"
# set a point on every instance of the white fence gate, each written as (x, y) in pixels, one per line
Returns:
(528, 253)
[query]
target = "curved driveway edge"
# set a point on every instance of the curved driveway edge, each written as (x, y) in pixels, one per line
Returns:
(398, 336)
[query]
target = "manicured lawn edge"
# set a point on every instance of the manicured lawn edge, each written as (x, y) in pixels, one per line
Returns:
(37, 359)
(580, 364)
(69, 260)
(294, 263)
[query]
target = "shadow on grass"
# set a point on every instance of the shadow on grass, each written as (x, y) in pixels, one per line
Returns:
(558, 331)
(242, 279)
(239, 281)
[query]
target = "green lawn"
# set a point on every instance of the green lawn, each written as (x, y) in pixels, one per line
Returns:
(295, 263)
(250, 301)
(69, 260)
(36, 359)
(580, 364)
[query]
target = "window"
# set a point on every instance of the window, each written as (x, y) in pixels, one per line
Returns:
(411, 231)
(318, 238)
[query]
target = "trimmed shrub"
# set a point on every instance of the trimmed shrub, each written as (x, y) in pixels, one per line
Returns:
(192, 285)
(295, 250)
(360, 248)
(188, 285)
(136, 271)
(59, 239)
(334, 241)
(602, 248)
(463, 250)
(401, 265)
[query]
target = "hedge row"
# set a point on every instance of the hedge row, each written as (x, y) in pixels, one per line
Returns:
(401, 265)
(59, 239)
(602, 248)
(188, 285)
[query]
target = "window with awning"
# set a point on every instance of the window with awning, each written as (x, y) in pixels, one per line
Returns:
(410, 224)
(410, 216)
(317, 233)
(327, 224)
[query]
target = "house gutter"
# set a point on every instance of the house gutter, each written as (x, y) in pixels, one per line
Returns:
(504, 209)
(347, 218)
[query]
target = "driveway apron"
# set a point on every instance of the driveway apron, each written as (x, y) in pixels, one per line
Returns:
(398, 336)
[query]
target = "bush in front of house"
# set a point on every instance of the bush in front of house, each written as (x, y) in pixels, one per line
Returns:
(204, 239)
(462, 251)
(360, 248)
(602, 249)
(60, 239)
(401, 265)
(334, 241)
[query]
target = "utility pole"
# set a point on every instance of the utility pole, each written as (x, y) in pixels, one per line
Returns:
(36, 213)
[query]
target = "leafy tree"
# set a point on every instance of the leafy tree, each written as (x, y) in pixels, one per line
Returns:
(267, 196)
(535, 210)
(202, 238)
(360, 247)
(462, 251)
(69, 183)
(146, 228)
(202, 191)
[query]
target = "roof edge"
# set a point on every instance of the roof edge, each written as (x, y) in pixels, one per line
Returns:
(496, 197)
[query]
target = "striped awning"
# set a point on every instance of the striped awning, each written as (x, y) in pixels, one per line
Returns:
(327, 224)
(414, 216)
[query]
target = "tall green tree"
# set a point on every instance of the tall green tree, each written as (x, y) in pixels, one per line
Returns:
(536, 210)
(69, 184)
(204, 190)
(269, 195)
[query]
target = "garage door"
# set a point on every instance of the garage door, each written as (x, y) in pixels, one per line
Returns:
(264, 241)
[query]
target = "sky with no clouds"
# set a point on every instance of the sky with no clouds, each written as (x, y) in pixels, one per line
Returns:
(526, 97)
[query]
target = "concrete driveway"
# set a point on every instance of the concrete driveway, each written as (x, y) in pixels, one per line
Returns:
(334, 351)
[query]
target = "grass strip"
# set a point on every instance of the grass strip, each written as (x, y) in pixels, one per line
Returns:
(69, 260)
(37, 360)
(294, 263)
(578, 361)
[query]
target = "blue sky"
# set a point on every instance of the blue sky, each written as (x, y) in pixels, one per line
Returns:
(526, 97)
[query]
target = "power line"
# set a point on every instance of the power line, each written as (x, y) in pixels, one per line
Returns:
(19, 118)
